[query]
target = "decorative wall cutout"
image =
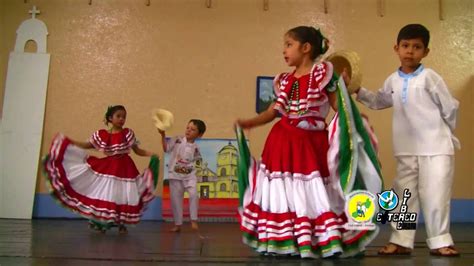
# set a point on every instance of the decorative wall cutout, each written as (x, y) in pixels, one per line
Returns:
(21, 126)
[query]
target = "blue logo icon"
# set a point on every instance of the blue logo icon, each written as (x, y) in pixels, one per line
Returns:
(388, 200)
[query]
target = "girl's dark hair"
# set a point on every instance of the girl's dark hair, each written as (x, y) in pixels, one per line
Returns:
(306, 34)
(111, 111)
(201, 126)
(414, 31)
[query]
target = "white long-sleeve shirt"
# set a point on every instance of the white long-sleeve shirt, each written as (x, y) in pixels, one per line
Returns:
(424, 115)
(183, 155)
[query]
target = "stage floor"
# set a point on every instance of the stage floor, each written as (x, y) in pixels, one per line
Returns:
(70, 242)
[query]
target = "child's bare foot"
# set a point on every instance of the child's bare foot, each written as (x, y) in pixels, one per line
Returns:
(176, 229)
(123, 230)
(194, 225)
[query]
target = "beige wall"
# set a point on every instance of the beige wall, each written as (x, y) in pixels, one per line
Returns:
(200, 62)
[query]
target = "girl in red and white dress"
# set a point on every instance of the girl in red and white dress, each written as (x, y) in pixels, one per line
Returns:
(108, 191)
(292, 208)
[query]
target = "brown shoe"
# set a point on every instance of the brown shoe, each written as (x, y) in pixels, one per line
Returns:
(449, 251)
(394, 249)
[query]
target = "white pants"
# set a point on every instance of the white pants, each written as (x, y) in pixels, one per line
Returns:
(429, 179)
(177, 188)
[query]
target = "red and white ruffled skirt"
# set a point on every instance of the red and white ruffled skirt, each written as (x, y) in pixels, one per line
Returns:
(291, 206)
(107, 190)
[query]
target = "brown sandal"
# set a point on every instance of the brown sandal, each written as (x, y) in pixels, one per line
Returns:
(449, 251)
(394, 249)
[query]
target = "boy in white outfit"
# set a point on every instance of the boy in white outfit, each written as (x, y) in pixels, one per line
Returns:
(184, 152)
(424, 119)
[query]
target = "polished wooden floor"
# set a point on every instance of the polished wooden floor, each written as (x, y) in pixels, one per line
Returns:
(70, 242)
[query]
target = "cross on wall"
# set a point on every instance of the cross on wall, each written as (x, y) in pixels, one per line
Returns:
(34, 11)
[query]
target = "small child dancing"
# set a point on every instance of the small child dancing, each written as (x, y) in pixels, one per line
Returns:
(184, 152)
(108, 191)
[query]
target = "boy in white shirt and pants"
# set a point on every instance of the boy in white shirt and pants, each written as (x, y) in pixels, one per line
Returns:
(184, 152)
(424, 119)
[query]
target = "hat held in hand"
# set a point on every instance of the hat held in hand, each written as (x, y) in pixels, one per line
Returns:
(349, 60)
(162, 119)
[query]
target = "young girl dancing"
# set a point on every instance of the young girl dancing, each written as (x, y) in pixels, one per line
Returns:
(291, 208)
(108, 191)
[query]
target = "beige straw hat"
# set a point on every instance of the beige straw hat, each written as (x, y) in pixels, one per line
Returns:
(162, 119)
(349, 60)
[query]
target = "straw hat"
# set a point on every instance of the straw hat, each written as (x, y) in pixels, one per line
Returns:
(162, 119)
(349, 60)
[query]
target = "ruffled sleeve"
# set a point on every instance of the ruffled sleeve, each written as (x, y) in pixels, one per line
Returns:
(130, 138)
(276, 83)
(324, 76)
(99, 139)
(281, 91)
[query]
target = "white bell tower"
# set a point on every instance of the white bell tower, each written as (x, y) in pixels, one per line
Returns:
(21, 124)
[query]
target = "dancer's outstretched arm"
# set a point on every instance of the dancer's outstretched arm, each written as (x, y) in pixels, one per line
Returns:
(261, 119)
(84, 145)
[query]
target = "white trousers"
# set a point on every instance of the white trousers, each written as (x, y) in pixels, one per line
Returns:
(177, 188)
(429, 179)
